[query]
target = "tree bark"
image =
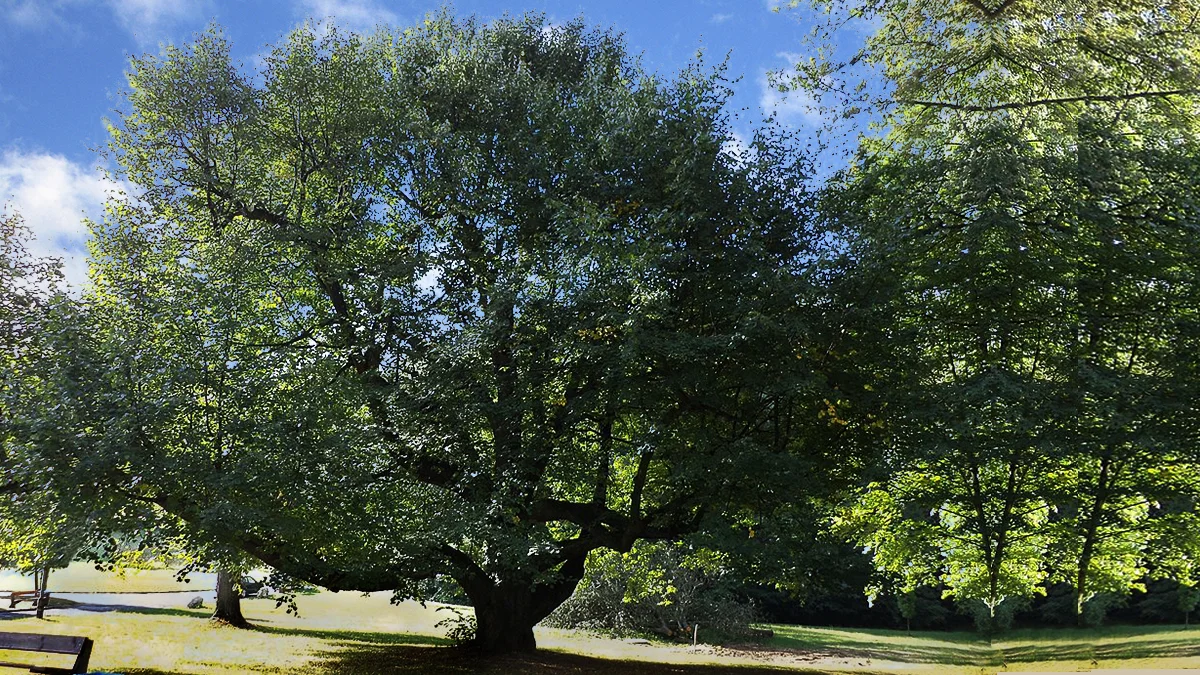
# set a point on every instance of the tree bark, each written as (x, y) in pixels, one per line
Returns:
(229, 601)
(506, 612)
(1091, 530)
(504, 623)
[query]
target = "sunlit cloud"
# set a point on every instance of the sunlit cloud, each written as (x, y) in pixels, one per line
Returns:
(36, 14)
(792, 107)
(54, 195)
(360, 16)
(147, 20)
(738, 148)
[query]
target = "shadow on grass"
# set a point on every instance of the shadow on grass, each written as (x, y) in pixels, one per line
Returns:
(356, 637)
(414, 660)
(403, 660)
(1179, 647)
(957, 650)
(1107, 645)
(347, 637)
(152, 611)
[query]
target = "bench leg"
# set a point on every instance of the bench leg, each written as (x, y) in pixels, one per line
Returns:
(85, 655)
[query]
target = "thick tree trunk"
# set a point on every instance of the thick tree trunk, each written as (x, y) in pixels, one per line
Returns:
(229, 601)
(506, 613)
(504, 624)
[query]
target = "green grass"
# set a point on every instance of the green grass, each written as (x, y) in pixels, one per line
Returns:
(185, 642)
(350, 633)
(83, 578)
(1061, 649)
(356, 633)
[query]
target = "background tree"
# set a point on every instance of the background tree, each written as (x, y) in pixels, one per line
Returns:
(1028, 221)
(36, 535)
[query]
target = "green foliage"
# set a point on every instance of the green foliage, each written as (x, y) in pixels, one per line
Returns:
(1024, 235)
(37, 531)
(461, 627)
(430, 302)
(963, 530)
(928, 63)
(660, 588)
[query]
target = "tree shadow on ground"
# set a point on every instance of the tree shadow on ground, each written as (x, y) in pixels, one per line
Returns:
(417, 660)
(405, 660)
(1097, 645)
(862, 645)
(355, 637)
(153, 611)
(1148, 649)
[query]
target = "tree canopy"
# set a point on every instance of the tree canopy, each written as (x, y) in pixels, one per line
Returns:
(460, 299)
(1024, 231)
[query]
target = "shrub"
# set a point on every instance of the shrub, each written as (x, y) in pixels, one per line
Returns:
(665, 589)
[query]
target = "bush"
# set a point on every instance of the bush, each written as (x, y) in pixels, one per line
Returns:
(665, 589)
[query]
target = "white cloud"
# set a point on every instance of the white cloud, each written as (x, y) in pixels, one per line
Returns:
(36, 14)
(146, 20)
(792, 106)
(795, 107)
(26, 12)
(737, 148)
(720, 18)
(360, 16)
(53, 195)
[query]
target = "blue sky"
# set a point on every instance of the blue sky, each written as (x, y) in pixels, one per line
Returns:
(62, 65)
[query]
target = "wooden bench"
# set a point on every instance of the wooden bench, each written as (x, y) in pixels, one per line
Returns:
(79, 647)
(39, 600)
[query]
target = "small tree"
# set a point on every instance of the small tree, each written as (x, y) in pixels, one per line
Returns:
(975, 529)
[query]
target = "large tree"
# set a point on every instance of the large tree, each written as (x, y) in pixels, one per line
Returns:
(1027, 223)
(458, 299)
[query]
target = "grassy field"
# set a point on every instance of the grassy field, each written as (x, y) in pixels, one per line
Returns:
(356, 633)
(1065, 649)
(83, 578)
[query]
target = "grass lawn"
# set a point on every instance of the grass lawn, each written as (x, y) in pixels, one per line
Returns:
(353, 633)
(1057, 649)
(83, 578)
(336, 633)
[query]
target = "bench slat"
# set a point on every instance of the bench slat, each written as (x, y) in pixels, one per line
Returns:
(53, 644)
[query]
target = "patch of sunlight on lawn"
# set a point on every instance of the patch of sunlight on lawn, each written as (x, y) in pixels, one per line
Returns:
(184, 641)
(81, 577)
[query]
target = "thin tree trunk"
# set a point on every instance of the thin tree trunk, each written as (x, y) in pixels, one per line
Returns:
(1091, 529)
(229, 601)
